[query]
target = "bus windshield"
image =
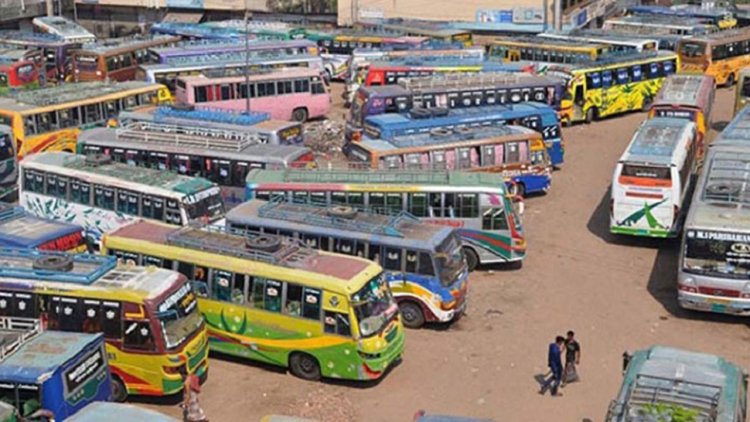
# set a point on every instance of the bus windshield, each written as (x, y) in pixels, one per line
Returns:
(374, 306)
(450, 260)
(692, 49)
(718, 254)
(206, 204)
(646, 172)
(178, 316)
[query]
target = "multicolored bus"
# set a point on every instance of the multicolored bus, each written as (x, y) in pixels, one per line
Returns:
(616, 42)
(478, 205)
(720, 55)
(18, 229)
(515, 152)
(269, 131)
(652, 179)
(102, 195)
(424, 263)
(535, 49)
(203, 48)
(115, 59)
(221, 156)
(292, 94)
(50, 119)
(273, 300)
(154, 334)
(57, 53)
(15, 75)
(537, 116)
(713, 258)
(662, 381)
(615, 85)
(262, 30)
(48, 373)
(689, 97)
(452, 91)
(195, 31)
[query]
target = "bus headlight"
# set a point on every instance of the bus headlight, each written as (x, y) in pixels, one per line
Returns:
(745, 291)
(687, 285)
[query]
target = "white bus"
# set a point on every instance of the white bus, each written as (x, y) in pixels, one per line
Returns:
(64, 28)
(617, 42)
(714, 269)
(101, 195)
(652, 178)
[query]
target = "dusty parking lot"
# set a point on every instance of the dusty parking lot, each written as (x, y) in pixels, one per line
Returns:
(616, 294)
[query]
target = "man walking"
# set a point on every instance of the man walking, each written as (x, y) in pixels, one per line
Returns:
(572, 358)
(554, 361)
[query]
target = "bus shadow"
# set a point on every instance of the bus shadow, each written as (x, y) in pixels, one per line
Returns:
(501, 266)
(171, 400)
(598, 225)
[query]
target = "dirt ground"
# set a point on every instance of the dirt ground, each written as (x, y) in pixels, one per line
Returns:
(617, 294)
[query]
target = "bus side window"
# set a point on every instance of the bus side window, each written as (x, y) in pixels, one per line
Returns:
(393, 259)
(337, 323)
(494, 219)
(92, 316)
(417, 204)
(467, 207)
(80, 192)
(104, 197)
(172, 214)
(272, 296)
(411, 261)
(69, 315)
(356, 199)
(221, 288)
(293, 300)
(138, 335)
(5, 303)
(373, 253)
(449, 205)
(338, 198)
(112, 322)
(436, 204)
(153, 208)
(425, 264)
(311, 303)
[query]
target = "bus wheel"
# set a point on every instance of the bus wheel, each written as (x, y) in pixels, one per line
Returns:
(730, 80)
(472, 260)
(411, 314)
(590, 114)
(304, 366)
(299, 115)
(646, 104)
(119, 391)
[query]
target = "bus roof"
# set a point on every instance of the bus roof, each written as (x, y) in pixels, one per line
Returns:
(377, 177)
(616, 60)
(37, 358)
(21, 230)
(553, 43)
(34, 39)
(116, 45)
(215, 240)
(99, 411)
(480, 80)
(739, 34)
(657, 141)
(276, 73)
(230, 60)
(402, 229)
(79, 166)
(685, 89)
(447, 137)
(722, 198)
(65, 93)
(62, 26)
(229, 44)
(737, 132)
(683, 21)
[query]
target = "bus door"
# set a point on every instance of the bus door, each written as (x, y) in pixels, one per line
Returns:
(579, 98)
(514, 55)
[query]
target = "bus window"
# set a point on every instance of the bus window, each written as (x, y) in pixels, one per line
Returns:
(607, 79)
(418, 204)
(293, 300)
(337, 323)
(272, 296)
(311, 303)
(494, 219)
(138, 335)
(392, 259)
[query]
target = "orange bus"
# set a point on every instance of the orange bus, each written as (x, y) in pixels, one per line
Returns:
(116, 59)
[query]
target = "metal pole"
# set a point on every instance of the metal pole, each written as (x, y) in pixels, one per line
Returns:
(247, 61)
(545, 14)
(558, 15)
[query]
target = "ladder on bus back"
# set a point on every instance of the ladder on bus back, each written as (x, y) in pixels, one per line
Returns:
(648, 390)
(186, 136)
(14, 332)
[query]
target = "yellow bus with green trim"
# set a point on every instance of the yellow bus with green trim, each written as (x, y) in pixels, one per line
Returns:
(271, 299)
(153, 332)
(721, 54)
(613, 85)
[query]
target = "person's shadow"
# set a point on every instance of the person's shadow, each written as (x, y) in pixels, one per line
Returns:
(541, 379)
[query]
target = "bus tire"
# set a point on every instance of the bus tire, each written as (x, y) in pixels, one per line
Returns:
(304, 366)
(412, 314)
(730, 80)
(119, 391)
(521, 190)
(591, 115)
(472, 259)
(646, 104)
(300, 115)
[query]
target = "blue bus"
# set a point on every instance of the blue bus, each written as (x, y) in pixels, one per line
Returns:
(424, 263)
(18, 229)
(53, 373)
(540, 117)
(102, 411)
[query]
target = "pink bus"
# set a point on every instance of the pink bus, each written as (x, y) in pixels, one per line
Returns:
(290, 94)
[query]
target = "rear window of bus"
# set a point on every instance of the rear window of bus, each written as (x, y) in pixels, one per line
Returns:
(646, 172)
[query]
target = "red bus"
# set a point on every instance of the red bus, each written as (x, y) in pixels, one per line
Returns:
(21, 74)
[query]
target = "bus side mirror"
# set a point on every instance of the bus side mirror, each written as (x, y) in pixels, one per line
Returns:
(625, 361)
(200, 288)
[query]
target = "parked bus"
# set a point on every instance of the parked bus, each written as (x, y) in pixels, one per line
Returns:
(50, 119)
(535, 49)
(719, 17)
(273, 300)
(18, 75)
(64, 28)
(99, 411)
(653, 177)
(231, 65)
(204, 48)
(274, 31)
(293, 94)
(424, 263)
(721, 54)
(689, 97)
(8, 164)
(451, 91)
(101, 195)
(613, 86)
(154, 334)
(416, 28)
(742, 92)
(57, 53)
(478, 205)
(221, 156)
(18, 229)
(515, 152)
(47, 372)
(537, 116)
(713, 261)
(662, 381)
(622, 41)
(659, 25)
(614, 42)
(269, 131)
(116, 59)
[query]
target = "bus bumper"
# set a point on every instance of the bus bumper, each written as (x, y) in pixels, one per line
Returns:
(631, 231)
(706, 303)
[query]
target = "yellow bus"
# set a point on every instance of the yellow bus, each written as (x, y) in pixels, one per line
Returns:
(545, 50)
(154, 334)
(614, 85)
(721, 54)
(50, 119)
(271, 299)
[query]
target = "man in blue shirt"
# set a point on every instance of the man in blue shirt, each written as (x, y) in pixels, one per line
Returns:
(554, 361)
